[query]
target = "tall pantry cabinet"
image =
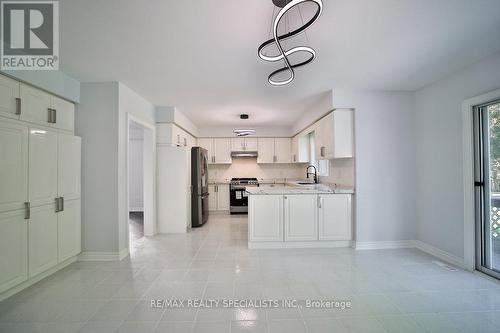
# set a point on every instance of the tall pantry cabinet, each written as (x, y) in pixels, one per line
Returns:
(40, 223)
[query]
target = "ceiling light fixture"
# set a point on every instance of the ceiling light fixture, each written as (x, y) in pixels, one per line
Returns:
(243, 132)
(285, 6)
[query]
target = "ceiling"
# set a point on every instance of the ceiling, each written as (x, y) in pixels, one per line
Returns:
(201, 56)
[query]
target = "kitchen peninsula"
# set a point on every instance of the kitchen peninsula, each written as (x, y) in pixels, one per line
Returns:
(300, 216)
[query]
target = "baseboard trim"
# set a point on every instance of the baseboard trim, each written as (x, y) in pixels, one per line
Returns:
(438, 253)
(385, 245)
(299, 245)
(23, 285)
(103, 256)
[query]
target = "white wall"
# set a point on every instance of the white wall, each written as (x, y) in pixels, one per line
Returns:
(135, 172)
(385, 161)
(96, 121)
(438, 123)
(102, 122)
(130, 103)
(169, 114)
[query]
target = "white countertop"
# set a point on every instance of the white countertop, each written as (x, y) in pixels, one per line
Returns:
(293, 188)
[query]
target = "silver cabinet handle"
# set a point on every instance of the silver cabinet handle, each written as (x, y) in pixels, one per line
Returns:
(54, 118)
(49, 115)
(27, 211)
(322, 151)
(57, 204)
(62, 204)
(18, 105)
(319, 202)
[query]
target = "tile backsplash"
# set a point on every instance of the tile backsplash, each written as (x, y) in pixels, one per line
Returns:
(248, 167)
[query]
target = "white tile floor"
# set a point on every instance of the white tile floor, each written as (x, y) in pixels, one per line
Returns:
(391, 290)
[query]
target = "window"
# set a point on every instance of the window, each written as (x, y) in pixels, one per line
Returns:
(322, 166)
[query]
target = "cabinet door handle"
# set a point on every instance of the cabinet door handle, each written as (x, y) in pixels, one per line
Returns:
(58, 204)
(49, 115)
(322, 151)
(319, 202)
(294, 158)
(18, 105)
(185, 142)
(54, 117)
(62, 204)
(27, 211)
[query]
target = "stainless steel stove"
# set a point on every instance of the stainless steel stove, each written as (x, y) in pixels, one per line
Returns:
(238, 196)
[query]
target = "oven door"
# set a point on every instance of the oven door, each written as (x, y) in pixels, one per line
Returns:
(238, 199)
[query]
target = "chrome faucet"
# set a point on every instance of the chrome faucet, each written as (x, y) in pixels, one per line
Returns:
(311, 173)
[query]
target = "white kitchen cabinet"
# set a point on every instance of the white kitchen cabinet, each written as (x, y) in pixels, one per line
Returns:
(13, 249)
(42, 174)
(274, 150)
(265, 150)
(219, 149)
(244, 144)
(212, 198)
(69, 230)
(206, 143)
(335, 217)
(300, 149)
(35, 105)
(69, 166)
(282, 150)
(251, 144)
(13, 166)
(334, 135)
(222, 150)
(223, 197)
(301, 217)
(265, 216)
(42, 239)
(218, 197)
(237, 144)
(9, 97)
(64, 114)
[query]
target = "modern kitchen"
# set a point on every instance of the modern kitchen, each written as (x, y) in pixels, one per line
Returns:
(298, 166)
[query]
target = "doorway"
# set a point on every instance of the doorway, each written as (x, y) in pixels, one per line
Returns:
(141, 169)
(486, 118)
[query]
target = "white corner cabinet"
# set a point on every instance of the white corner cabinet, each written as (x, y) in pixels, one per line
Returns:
(219, 149)
(40, 218)
(274, 150)
(171, 134)
(300, 220)
(218, 197)
(334, 135)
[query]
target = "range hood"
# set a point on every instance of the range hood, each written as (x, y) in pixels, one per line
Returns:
(244, 154)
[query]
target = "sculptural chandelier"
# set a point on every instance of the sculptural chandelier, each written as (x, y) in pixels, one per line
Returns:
(286, 6)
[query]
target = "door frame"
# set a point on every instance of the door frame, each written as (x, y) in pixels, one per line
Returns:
(468, 175)
(149, 175)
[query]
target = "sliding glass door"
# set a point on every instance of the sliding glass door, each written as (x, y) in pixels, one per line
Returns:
(487, 187)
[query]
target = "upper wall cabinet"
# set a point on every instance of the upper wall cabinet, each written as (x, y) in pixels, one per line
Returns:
(174, 135)
(63, 114)
(300, 149)
(274, 150)
(35, 106)
(9, 98)
(20, 101)
(334, 135)
(244, 144)
(219, 149)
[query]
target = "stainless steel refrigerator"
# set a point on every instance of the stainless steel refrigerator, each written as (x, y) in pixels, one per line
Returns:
(199, 182)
